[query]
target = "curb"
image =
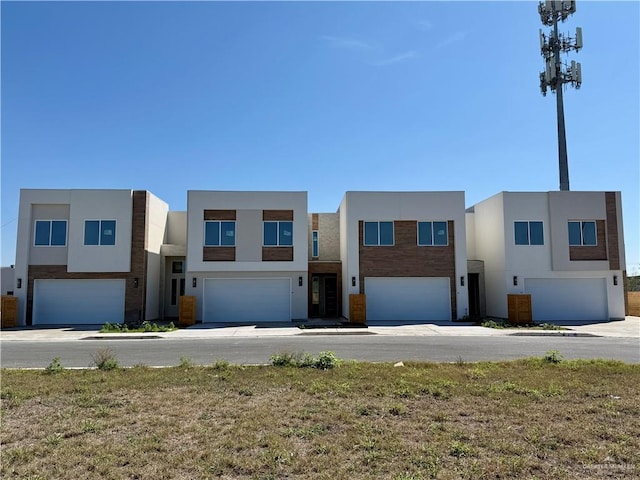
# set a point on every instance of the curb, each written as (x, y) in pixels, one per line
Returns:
(121, 337)
(551, 334)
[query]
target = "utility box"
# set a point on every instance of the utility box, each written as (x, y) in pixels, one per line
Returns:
(358, 308)
(519, 308)
(187, 311)
(9, 311)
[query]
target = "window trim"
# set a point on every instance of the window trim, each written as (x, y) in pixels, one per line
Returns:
(432, 244)
(378, 222)
(278, 244)
(220, 222)
(99, 244)
(50, 221)
(315, 244)
(581, 223)
(528, 244)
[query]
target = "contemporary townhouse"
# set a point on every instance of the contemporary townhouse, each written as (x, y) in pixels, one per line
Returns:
(406, 251)
(96, 256)
(88, 256)
(564, 248)
(246, 258)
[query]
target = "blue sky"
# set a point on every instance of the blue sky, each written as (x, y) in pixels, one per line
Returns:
(324, 97)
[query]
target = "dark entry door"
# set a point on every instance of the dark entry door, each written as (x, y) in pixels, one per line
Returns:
(474, 296)
(324, 295)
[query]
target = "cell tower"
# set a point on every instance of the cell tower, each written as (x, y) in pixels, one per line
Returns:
(556, 74)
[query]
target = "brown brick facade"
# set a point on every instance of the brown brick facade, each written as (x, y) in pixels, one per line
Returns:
(596, 252)
(612, 230)
(314, 221)
(219, 254)
(219, 214)
(277, 254)
(275, 215)
(135, 296)
(406, 259)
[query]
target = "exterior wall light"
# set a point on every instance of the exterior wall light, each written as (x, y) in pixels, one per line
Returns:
(353, 281)
(194, 282)
(515, 280)
(135, 282)
(299, 281)
(615, 279)
(19, 283)
(462, 281)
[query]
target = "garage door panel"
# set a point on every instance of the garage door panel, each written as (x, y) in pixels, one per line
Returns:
(247, 300)
(77, 302)
(568, 298)
(408, 298)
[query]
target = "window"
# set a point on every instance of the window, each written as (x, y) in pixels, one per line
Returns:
(51, 233)
(528, 233)
(278, 234)
(433, 234)
(378, 233)
(219, 234)
(315, 247)
(99, 232)
(582, 233)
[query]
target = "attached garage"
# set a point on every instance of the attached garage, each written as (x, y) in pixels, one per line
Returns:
(408, 298)
(78, 302)
(247, 300)
(568, 298)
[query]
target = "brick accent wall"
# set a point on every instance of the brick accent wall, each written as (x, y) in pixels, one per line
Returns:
(219, 254)
(314, 221)
(597, 252)
(277, 254)
(135, 297)
(612, 230)
(407, 259)
(273, 215)
(219, 214)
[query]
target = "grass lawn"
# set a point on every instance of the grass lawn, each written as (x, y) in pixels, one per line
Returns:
(525, 419)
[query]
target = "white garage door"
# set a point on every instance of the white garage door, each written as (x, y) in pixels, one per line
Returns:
(408, 298)
(247, 300)
(77, 302)
(567, 298)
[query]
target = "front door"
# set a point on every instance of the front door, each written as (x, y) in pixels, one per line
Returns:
(324, 295)
(174, 287)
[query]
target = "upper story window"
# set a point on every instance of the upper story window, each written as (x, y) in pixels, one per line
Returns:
(315, 247)
(99, 232)
(219, 233)
(582, 233)
(50, 233)
(278, 234)
(528, 233)
(378, 233)
(433, 234)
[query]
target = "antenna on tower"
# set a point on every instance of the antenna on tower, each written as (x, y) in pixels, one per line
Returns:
(556, 74)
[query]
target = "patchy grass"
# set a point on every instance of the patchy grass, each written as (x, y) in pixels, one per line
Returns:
(532, 418)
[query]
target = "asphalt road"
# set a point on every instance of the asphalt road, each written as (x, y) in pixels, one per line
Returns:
(377, 348)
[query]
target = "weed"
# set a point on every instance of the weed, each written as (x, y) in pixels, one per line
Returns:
(145, 326)
(245, 392)
(324, 360)
(553, 356)
(54, 439)
(493, 324)
(220, 364)
(363, 411)
(397, 410)
(104, 359)
(185, 362)
(54, 367)
(459, 449)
